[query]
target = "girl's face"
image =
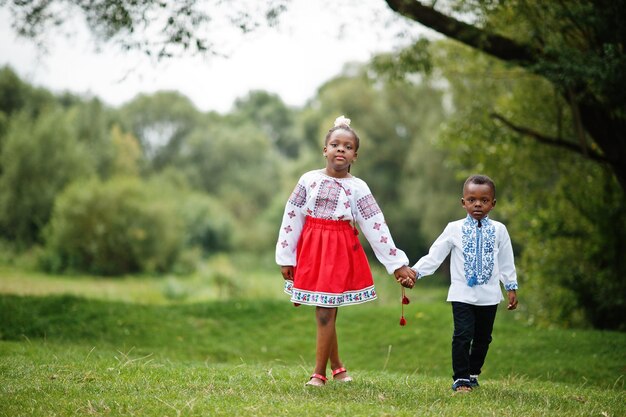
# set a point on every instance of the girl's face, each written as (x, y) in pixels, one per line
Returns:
(340, 150)
(478, 200)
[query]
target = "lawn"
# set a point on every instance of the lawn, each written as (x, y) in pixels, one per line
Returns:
(85, 354)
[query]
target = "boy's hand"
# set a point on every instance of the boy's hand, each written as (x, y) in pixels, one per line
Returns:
(287, 272)
(512, 300)
(405, 276)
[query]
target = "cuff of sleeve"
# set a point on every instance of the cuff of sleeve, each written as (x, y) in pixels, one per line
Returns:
(511, 287)
(417, 274)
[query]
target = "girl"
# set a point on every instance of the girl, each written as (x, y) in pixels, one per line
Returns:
(321, 258)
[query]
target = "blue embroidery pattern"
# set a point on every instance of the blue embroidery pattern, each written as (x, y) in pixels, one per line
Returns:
(327, 299)
(478, 250)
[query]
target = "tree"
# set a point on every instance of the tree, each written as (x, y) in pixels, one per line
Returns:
(39, 159)
(160, 122)
(268, 112)
(577, 45)
(18, 96)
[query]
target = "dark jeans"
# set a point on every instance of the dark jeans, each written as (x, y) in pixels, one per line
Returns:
(471, 338)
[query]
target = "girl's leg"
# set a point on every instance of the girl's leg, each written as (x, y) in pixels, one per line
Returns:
(335, 361)
(326, 337)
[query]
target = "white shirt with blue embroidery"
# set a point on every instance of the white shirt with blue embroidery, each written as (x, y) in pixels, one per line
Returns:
(481, 258)
(321, 196)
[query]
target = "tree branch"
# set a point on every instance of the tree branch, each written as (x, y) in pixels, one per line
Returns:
(492, 44)
(570, 146)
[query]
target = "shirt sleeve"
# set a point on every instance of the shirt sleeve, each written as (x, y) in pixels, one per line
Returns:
(506, 263)
(371, 220)
(437, 253)
(291, 226)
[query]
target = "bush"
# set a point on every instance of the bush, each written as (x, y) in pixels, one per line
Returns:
(208, 225)
(113, 228)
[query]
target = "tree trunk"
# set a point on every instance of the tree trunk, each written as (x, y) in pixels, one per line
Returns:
(609, 133)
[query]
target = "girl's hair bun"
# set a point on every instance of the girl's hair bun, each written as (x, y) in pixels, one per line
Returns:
(342, 121)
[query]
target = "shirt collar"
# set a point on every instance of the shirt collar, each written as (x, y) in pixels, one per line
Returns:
(472, 221)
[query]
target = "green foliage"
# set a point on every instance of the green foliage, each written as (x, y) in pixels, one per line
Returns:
(235, 163)
(116, 227)
(577, 242)
(18, 96)
(95, 130)
(581, 43)
(160, 122)
(412, 60)
(208, 225)
(268, 113)
(126, 152)
(39, 158)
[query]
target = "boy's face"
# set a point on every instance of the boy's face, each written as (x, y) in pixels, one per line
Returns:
(478, 200)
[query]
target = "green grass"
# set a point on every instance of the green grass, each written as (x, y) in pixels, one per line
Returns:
(43, 379)
(64, 355)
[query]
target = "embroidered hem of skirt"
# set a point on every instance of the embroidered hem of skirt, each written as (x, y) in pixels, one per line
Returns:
(321, 299)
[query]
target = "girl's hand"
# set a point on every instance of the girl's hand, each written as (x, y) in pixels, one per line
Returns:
(405, 276)
(407, 283)
(287, 272)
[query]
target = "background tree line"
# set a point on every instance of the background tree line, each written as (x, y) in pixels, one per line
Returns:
(155, 185)
(542, 112)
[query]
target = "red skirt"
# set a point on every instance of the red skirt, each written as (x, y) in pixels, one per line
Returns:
(332, 269)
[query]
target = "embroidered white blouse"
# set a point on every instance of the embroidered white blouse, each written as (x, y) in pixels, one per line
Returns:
(321, 196)
(481, 258)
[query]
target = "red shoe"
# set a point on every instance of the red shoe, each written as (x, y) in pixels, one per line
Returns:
(312, 381)
(346, 378)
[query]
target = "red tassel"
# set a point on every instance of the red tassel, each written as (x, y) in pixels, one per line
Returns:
(405, 300)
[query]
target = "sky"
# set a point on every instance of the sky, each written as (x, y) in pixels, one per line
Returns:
(311, 46)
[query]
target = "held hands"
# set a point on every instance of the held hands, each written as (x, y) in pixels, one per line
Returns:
(405, 276)
(287, 272)
(512, 300)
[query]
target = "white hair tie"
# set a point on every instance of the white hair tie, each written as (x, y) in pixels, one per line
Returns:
(342, 120)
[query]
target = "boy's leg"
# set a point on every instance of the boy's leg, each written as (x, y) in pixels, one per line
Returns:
(464, 320)
(485, 317)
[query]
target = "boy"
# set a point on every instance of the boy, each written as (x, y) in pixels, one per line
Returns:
(481, 257)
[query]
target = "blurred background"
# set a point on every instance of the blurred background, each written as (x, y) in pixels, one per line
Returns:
(154, 167)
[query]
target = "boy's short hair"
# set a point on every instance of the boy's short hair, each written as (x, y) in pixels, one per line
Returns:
(480, 180)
